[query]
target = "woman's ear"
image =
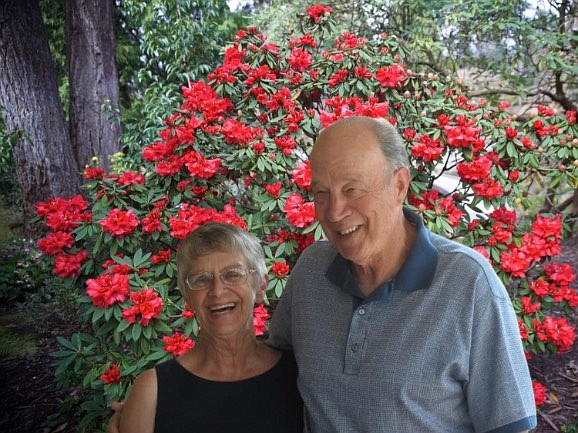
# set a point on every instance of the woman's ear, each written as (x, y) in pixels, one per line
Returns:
(260, 295)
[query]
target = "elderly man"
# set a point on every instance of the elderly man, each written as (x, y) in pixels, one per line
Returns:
(394, 328)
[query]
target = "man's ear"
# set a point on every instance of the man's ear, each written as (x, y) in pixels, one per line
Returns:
(402, 179)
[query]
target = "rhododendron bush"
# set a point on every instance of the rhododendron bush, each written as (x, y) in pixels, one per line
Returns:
(236, 151)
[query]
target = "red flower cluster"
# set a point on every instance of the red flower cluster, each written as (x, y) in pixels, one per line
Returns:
(430, 200)
(111, 375)
(55, 242)
(464, 134)
(544, 240)
(190, 217)
(177, 344)
(63, 215)
(146, 303)
(68, 265)
(303, 240)
(556, 331)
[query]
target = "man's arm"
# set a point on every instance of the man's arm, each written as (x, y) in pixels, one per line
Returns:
(114, 422)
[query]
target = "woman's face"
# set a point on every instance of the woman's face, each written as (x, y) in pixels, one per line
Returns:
(222, 309)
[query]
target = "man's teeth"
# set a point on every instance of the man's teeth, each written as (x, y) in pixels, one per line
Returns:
(349, 230)
(221, 308)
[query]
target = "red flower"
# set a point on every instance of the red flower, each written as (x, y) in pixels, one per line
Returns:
(540, 287)
(280, 269)
(200, 167)
(504, 215)
(477, 169)
(131, 178)
(515, 262)
(539, 393)
(260, 317)
(511, 133)
(318, 11)
(177, 344)
(338, 77)
(427, 149)
(528, 307)
(285, 144)
(523, 330)
(120, 223)
(93, 173)
(162, 256)
(68, 265)
(302, 176)
(488, 188)
(464, 134)
(108, 289)
(188, 314)
(299, 213)
(391, 76)
(299, 60)
(147, 303)
(55, 242)
(561, 274)
(274, 190)
(152, 222)
(111, 375)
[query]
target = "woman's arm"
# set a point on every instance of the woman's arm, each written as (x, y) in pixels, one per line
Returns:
(138, 414)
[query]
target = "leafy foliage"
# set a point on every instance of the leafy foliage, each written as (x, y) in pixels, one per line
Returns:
(236, 150)
(161, 45)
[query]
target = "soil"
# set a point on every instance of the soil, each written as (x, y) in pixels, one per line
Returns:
(28, 396)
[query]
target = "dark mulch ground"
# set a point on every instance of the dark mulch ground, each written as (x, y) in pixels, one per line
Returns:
(28, 397)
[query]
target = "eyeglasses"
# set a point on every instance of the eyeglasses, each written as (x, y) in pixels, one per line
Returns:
(229, 276)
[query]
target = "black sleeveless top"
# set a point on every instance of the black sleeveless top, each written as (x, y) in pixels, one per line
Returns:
(268, 402)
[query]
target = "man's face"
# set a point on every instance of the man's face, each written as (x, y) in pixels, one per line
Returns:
(357, 197)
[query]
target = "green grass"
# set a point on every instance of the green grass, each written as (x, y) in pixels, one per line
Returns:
(13, 342)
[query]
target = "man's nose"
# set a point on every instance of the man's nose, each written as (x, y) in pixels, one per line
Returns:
(336, 207)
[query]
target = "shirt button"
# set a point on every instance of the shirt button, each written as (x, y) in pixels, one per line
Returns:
(354, 347)
(361, 311)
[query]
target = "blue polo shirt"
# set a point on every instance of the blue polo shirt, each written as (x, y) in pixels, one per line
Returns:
(435, 349)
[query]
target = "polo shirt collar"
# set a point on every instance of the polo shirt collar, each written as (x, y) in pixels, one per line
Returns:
(416, 273)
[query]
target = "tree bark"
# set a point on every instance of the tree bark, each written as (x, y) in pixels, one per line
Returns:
(93, 76)
(29, 92)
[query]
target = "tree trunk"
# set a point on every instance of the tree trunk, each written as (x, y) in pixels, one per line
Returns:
(91, 46)
(29, 92)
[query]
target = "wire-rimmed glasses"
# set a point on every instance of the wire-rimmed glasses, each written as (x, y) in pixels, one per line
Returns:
(230, 276)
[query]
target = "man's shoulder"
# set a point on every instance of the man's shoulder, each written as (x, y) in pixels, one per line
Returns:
(319, 248)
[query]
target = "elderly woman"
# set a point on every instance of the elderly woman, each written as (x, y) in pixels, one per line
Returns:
(229, 381)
